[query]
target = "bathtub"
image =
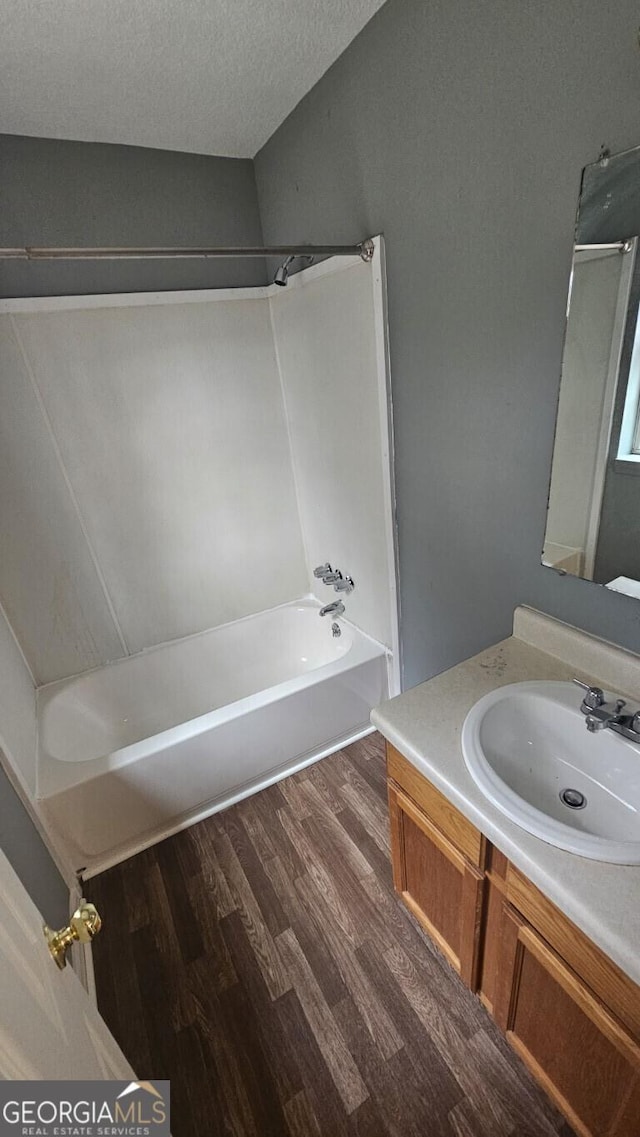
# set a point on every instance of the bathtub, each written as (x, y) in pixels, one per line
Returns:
(132, 752)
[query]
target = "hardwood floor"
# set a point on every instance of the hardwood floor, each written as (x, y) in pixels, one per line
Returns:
(261, 961)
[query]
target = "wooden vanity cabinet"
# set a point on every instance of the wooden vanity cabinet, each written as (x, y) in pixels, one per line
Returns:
(438, 860)
(573, 1044)
(571, 1014)
(491, 936)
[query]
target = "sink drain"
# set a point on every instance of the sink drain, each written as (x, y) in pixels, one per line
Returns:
(573, 798)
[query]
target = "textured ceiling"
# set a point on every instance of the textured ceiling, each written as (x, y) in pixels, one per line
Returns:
(208, 76)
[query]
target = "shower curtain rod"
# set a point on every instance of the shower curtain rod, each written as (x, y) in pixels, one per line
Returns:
(363, 249)
(621, 246)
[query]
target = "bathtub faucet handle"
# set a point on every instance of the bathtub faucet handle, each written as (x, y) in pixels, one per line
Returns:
(322, 570)
(332, 577)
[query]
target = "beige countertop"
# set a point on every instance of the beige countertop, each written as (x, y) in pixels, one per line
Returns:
(425, 725)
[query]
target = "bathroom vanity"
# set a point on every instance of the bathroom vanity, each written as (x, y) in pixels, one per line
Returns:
(550, 941)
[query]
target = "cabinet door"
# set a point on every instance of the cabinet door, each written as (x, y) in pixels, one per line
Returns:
(438, 884)
(585, 1059)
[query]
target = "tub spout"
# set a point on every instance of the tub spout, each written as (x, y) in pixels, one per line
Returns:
(334, 609)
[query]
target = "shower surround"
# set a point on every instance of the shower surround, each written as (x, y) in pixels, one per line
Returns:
(172, 467)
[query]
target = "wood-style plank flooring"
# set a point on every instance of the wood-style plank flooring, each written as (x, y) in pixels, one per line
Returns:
(261, 961)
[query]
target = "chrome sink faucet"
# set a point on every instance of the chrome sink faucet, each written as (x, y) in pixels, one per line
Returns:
(600, 714)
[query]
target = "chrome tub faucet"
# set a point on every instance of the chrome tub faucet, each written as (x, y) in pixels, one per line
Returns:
(336, 608)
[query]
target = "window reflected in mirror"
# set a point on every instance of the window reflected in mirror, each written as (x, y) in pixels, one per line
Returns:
(593, 518)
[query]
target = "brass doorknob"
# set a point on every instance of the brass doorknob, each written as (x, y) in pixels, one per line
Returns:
(82, 927)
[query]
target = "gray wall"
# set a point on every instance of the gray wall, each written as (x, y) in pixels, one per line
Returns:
(79, 193)
(459, 130)
(21, 843)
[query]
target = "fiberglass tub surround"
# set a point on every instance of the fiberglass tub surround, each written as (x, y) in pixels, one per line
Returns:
(187, 468)
(136, 750)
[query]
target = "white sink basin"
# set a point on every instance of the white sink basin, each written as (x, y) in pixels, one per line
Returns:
(526, 744)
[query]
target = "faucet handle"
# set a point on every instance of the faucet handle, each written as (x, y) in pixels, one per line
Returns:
(344, 585)
(594, 696)
(332, 577)
(322, 570)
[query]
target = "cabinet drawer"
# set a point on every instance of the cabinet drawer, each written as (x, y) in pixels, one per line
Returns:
(448, 819)
(588, 1063)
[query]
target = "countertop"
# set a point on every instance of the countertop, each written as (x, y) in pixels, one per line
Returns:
(425, 724)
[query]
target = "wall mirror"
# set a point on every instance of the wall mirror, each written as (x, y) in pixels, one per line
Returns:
(593, 518)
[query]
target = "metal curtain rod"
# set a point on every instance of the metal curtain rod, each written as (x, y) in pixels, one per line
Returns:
(621, 246)
(363, 249)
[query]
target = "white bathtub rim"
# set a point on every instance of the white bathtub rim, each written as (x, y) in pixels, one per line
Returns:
(46, 691)
(55, 774)
(123, 852)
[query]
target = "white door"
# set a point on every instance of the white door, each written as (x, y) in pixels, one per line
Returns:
(49, 1028)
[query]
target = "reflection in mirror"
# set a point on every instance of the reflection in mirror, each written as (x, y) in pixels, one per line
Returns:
(593, 519)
